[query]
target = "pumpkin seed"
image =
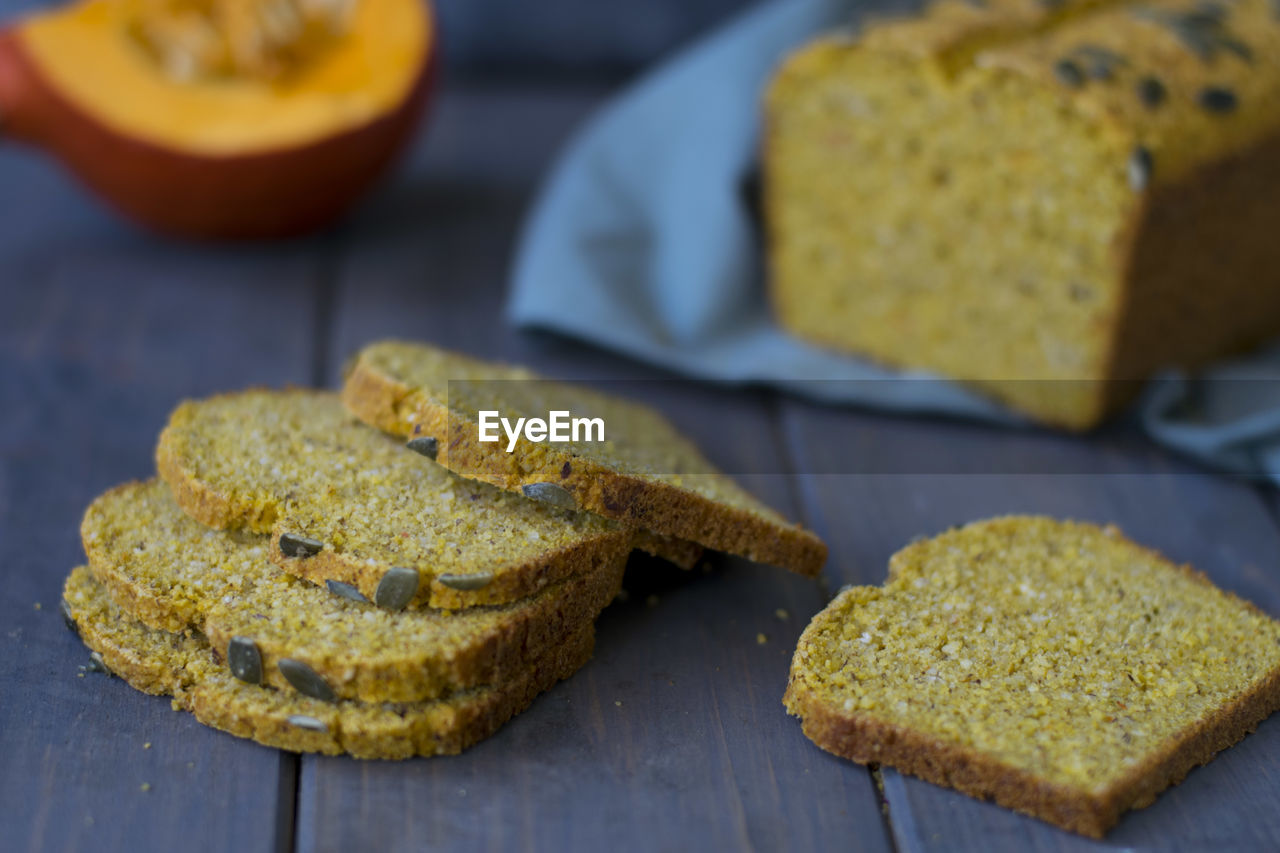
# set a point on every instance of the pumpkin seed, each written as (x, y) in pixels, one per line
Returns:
(479, 580)
(1216, 99)
(97, 664)
(305, 680)
(1151, 92)
(1201, 31)
(1068, 73)
(68, 619)
(297, 545)
(311, 724)
(396, 589)
(1099, 62)
(346, 590)
(550, 493)
(244, 659)
(1211, 9)
(424, 444)
(1140, 167)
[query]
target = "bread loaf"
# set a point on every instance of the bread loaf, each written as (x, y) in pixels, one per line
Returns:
(1050, 201)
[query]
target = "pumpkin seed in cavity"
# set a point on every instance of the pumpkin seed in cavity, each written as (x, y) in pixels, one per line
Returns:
(1140, 167)
(1099, 62)
(478, 580)
(550, 493)
(396, 589)
(1200, 31)
(1216, 99)
(1151, 92)
(244, 659)
(1068, 73)
(346, 590)
(311, 724)
(425, 444)
(305, 680)
(297, 545)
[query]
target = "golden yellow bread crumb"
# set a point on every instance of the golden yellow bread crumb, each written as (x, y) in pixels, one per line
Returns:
(174, 574)
(1048, 203)
(644, 474)
(357, 505)
(1054, 667)
(158, 662)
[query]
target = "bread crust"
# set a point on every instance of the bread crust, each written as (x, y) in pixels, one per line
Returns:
(151, 664)
(869, 738)
(532, 629)
(389, 404)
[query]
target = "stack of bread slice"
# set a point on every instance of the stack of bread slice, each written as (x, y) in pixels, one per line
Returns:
(299, 577)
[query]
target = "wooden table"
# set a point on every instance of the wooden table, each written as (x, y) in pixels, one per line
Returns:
(674, 737)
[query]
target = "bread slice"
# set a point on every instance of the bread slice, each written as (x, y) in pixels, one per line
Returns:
(174, 574)
(158, 662)
(1054, 667)
(645, 474)
(351, 505)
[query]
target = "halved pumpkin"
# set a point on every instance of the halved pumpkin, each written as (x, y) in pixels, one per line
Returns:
(231, 153)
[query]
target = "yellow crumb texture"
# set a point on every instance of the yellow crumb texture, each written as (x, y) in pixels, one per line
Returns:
(1035, 198)
(175, 574)
(1057, 650)
(295, 462)
(160, 662)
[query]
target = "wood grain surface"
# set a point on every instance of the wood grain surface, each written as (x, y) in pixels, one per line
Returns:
(674, 736)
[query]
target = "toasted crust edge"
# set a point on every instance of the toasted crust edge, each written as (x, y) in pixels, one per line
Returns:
(386, 403)
(867, 739)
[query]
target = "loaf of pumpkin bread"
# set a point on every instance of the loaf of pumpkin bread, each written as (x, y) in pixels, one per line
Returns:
(1049, 201)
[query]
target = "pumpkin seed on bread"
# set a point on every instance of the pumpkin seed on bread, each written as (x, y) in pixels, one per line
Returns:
(645, 474)
(183, 666)
(345, 503)
(1054, 667)
(172, 573)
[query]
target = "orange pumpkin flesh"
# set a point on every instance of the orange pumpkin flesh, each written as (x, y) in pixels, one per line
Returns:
(220, 159)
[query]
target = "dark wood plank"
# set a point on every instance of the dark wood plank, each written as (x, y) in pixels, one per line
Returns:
(102, 330)
(1221, 526)
(674, 736)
